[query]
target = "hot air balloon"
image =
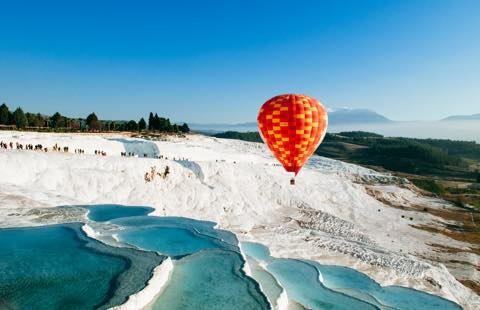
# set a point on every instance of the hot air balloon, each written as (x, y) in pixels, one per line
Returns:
(292, 126)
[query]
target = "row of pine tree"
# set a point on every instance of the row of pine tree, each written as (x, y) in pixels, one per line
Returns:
(21, 120)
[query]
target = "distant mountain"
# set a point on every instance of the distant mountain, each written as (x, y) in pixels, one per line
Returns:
(216, 127)
(473, 117)
(220, 125)
(340, 116)
(357, 116)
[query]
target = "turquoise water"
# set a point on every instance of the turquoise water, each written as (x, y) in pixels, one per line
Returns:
(266, 280)
(256, 250)
(169, 240)
(208, 267)
(301, 282)
(208, 272)
(103, 213)
(211, 280)
(342, 278)
(342, 287)
(205, 228)
(138, 147)
(58, 267)
(173, 236)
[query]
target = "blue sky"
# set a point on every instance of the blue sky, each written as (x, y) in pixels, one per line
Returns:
(218, 61)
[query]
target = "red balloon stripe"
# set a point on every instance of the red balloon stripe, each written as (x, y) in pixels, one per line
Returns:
(292, 126)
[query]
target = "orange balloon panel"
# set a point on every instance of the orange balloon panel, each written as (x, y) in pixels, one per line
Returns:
(292, 126)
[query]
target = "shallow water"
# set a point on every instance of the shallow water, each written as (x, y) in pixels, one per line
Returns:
(211, 279)
(208, 273)
(208, 267)
(103, 213)
(169, 241)
(343, 278)
(301, 282)
(77, 272)
(201, 227)
(139, 147)
(340, 284)
(256, 250)
(58, 267)
(266, 280)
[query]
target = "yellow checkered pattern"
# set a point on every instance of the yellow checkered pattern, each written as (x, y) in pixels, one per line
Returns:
(292, 126)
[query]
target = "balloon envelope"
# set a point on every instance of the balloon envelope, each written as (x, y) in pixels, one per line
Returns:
(292, 126)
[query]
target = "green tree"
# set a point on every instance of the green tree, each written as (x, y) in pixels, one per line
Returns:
(142, 125)
(20, 118)
(165, 125)
(252, 136)
(162, 124)
(184, 128)
(11, 118)
(4, 114)
(150, 121)
(75, 124)
(168, 126)
(156, 122)
(91, 118)
(122, 126)
(478, 178)
(56, 120)
(31, 119)
(39, 120)
(92, 122)
(132, 125)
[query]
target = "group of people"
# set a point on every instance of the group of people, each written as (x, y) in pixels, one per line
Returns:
(19, 146)
(4, 145)
(131, 154)
(145, 155)
(57, 148)
(153, 173)
(178, 159)
(39, 147)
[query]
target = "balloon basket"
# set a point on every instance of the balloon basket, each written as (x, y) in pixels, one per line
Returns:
(292, 181)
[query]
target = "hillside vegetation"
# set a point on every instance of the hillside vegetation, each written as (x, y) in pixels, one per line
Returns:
(408, 155)
(444, 167)
(252, 136)
(19, 120)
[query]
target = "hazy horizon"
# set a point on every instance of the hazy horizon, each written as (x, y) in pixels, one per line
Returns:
(453, 130)
(222, 122)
